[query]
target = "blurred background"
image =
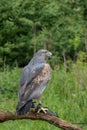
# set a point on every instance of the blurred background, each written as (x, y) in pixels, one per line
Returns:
(60, 27)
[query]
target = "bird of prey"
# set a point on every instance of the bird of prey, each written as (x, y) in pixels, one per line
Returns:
(34, 79)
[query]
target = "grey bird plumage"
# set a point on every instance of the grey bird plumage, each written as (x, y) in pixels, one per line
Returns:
(33, 81)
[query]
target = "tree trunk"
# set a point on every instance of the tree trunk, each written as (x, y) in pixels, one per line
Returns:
(34, 32)
(86, 40)
(64, 59)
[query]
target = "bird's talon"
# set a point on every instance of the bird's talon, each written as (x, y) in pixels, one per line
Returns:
(42, 110)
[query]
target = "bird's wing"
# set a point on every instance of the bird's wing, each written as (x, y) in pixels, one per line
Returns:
(26, 78)
(29, 73)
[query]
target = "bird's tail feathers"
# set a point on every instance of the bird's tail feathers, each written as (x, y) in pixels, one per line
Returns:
(24, 109)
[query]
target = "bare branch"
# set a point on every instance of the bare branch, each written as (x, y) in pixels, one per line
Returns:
(6, 115)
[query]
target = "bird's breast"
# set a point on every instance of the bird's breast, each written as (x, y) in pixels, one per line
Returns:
(39, 84)
(45, 73)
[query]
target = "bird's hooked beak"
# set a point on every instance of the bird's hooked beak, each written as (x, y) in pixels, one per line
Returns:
(48, 54)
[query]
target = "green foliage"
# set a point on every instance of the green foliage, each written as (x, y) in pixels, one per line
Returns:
(59, 26)
(65, 95)
(8, 79)
(26, 26)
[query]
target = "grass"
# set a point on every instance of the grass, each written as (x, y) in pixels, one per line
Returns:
(65, 95)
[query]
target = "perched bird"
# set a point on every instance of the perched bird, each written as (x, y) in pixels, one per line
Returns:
(34, 79)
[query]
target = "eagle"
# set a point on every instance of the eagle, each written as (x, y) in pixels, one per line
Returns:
(33, 81)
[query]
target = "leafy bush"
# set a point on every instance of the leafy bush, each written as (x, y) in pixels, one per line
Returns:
(9, 82)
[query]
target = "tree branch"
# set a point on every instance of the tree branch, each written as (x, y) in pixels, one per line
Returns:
(6, 115)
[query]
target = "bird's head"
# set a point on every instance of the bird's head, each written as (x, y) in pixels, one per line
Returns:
(44, 53)
(40, 57)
